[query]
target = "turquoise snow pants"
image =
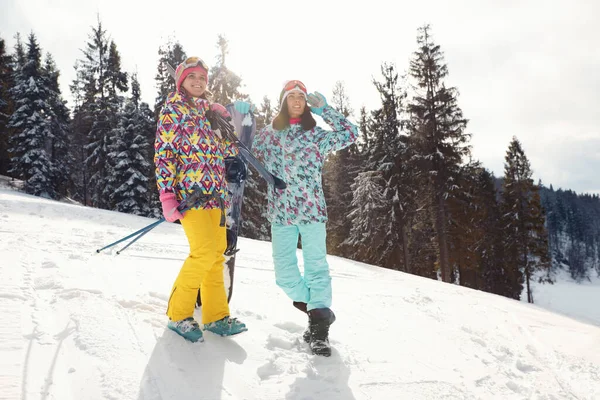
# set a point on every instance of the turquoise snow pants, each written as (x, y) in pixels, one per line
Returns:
(314, 288)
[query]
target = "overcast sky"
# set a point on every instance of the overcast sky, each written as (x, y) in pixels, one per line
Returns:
(529, 69)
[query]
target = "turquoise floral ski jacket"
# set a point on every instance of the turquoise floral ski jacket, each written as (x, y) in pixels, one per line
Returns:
(297, 157)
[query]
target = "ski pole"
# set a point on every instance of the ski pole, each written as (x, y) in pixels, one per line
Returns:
(136, 239)
(142, 231)
(148, 229)
(194, 199)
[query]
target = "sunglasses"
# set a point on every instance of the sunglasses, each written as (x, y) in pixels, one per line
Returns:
(294, 84)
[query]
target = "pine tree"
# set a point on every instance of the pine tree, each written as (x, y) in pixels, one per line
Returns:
(464, 228)
(17, 62)
(130, 155)
(59, 120)
(6, 105)
(92, 76)
(475, 229)
(437, 130)
(362, 141)
(102, 82)
(265, 113)
(388, 151)
(116, 83)
(81, 124)
(366, 241)
(31, 143)
(339, 170)
(578, 227)
(423, 246)
(382, 147)
(490, 250)
(254, 211)
(526, 248)
(224, 84)
(172, 54)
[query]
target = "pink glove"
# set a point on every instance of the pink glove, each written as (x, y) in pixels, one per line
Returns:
(222, 111)
(169, 206)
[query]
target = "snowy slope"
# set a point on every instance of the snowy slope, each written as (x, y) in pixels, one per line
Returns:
(80, 325)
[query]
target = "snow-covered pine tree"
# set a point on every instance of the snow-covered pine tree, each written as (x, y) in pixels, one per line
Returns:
(81, 124)
(171, 53)
(339, 170)
(363, 137)
(463, 228)
(437, 133)
(117, 82)
(31, 143)
(526, 246)
(59, 120)
(224, 84)
(92, 81)
(6, 105)
(489, 251)
(102, 81)
(550, 203)
(368, 237)
(476, 246)
(17, 62)
(573, 224)
(387, 152)
(254, 210)
(130, 154)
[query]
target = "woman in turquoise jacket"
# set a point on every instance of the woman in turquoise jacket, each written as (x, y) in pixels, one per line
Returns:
(294, 148)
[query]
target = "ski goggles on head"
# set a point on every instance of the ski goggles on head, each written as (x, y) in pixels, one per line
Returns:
(193, 62)
(190, 62)
(290, 85)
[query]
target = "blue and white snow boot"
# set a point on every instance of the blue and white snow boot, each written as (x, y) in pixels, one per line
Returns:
(226, 327)
(187, 328)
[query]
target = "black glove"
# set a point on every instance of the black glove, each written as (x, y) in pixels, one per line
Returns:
(235, 170)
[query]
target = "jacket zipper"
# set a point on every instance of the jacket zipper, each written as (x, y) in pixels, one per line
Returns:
(285, 202)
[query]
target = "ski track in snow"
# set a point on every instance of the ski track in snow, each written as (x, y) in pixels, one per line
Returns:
(92, 326)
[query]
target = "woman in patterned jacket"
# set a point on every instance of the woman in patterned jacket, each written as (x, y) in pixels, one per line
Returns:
(190, 157)
(293, 147)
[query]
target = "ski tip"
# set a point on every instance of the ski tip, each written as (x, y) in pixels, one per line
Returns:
(171, 70)
(279, 183)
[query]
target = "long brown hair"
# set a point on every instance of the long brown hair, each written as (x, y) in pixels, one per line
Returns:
(282, 120)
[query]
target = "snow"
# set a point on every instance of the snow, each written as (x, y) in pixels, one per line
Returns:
(577, 300)
(81, 325)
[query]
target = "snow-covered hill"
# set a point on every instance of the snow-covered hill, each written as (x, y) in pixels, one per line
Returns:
(81, 325)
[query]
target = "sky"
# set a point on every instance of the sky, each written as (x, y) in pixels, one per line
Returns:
(86, 326)
(528, 69)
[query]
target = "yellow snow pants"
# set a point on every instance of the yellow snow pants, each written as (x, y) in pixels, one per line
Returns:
(203, 269)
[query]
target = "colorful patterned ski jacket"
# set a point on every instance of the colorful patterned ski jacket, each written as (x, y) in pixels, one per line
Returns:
(297, 157)
(188, 154)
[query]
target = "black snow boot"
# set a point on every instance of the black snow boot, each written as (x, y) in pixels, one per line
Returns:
(319, 321)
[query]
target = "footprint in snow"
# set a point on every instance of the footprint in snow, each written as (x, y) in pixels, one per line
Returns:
(290, 327)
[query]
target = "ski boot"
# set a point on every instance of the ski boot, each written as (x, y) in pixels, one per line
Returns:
(187, 328)
(226, 327)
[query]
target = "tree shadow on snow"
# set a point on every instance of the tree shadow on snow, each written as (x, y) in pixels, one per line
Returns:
(326, 378)
(178, 369)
